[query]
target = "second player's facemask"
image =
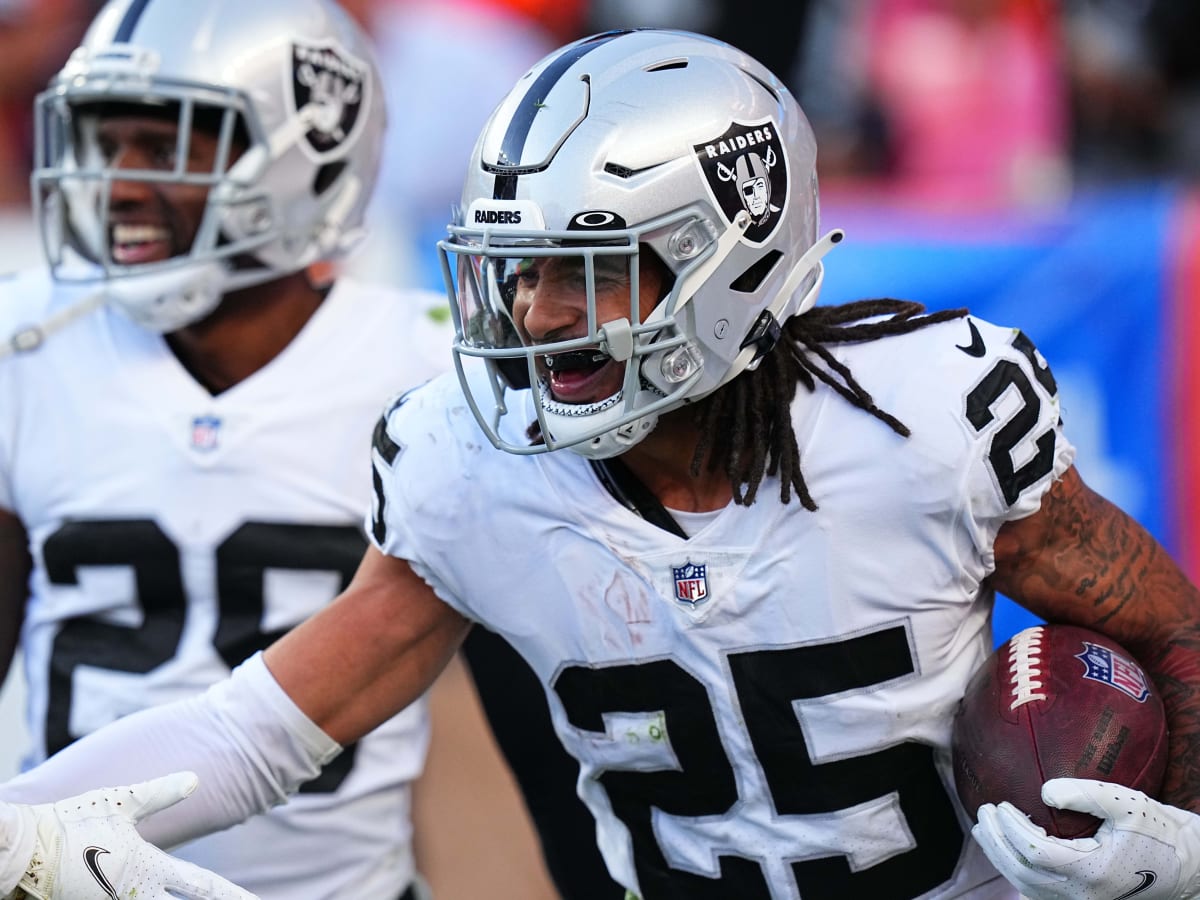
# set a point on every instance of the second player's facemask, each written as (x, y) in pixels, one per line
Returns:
(74, 182)
(289, 91)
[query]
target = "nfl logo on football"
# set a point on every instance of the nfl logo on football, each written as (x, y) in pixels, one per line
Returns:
(1105, 666)
(691, 583)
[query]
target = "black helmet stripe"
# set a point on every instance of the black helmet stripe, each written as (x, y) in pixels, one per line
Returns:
(129, 22)
(513, 145)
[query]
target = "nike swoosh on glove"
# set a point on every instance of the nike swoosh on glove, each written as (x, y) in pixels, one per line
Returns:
(1144, 849)
(87, 848)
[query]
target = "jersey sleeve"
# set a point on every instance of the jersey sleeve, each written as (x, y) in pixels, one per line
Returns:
(986, 437)
(1011, 422)
(422, 485)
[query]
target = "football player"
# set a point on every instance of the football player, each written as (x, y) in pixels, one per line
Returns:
(189, 464)
(747, 544)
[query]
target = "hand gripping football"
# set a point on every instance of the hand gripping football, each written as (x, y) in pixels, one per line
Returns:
(1057, 701)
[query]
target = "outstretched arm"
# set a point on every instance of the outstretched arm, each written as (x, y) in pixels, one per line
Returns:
(370, 653)
(252, 739)
(1083, 561)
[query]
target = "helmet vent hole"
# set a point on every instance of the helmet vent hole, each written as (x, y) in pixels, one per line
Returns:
(769, 88)
(668, 65)
(327, 175)
(619, 171)
(748, 282)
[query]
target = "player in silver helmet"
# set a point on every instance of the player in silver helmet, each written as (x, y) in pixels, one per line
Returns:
(288, 96)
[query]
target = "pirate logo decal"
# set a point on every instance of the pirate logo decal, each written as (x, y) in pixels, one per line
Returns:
(329, 92)
(746, 169)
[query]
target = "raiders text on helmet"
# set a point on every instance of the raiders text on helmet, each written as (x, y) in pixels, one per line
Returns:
(291, 88)
(626, 142)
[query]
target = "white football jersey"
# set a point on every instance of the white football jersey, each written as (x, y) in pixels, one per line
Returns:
(174, 533)
(764, 709)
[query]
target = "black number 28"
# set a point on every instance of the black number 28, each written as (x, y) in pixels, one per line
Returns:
(767, 682)
(242, 561)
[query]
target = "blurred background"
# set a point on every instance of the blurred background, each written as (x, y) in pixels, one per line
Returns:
(1035, 161)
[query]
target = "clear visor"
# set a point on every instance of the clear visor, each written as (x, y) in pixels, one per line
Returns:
(485, 293)
(546, 298)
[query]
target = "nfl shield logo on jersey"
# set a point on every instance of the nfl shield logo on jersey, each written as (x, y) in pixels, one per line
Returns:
(206, 430)
(691, 583)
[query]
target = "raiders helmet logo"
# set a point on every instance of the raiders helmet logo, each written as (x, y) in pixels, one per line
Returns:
(328, 89)
(746, 169)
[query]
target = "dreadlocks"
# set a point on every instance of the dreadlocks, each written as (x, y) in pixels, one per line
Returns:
(745, 427)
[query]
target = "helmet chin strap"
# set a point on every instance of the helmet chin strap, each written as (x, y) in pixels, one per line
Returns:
(30, 338)
(786, 304)
(170, 299)
(725, 244)
(779, 308)
(569, 432)
(691, 282)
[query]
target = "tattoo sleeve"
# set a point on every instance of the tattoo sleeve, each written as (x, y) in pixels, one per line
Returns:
(1082, 561)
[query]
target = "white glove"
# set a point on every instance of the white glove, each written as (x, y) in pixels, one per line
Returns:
(1144, 848)
(87, 848)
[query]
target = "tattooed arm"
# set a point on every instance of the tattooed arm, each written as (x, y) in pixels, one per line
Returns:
(1081, 560)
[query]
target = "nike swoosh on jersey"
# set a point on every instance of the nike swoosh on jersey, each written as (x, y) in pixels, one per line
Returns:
(976, 347)
(1148, 878)
(91, 860)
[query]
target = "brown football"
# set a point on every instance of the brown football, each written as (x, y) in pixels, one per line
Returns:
(1057, 701)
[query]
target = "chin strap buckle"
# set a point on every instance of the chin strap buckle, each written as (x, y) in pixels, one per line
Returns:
(763, 335)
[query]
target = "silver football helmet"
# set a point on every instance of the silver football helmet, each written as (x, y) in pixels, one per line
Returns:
(617, 145)
(291, 90)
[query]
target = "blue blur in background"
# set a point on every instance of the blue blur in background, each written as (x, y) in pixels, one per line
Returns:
(1087, 282)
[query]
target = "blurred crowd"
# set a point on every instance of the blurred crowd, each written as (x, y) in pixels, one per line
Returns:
(1002, 101)
(952, 101)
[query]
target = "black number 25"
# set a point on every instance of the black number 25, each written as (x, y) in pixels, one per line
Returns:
(242, 560)
(767, 682)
